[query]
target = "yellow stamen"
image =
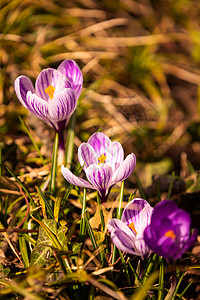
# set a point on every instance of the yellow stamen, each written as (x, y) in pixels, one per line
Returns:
(170, 234)
(50, 91)
(132, 226)
(102, 159)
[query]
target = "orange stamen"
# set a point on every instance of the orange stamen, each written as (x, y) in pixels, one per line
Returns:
(50, 91)
(102, 159)
(132, 226)
(170, 234)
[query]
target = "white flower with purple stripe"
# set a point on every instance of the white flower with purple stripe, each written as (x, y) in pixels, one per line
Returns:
(103, 163)
(55, 95)
(127, 233)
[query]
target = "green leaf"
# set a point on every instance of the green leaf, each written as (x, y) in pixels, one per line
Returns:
(61, 236)
(51, 224)
(76, 247)
(41, 253)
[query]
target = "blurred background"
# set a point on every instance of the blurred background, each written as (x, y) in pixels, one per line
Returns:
(140, 62)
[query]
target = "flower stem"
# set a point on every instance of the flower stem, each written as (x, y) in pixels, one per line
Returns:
(172, 288)
(61, 148)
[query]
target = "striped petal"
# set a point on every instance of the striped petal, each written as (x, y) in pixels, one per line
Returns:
(70, 69)
(71, 178)
(114, 155)
(125, 169)
(122, 236)
(36, 105)
(62, 105)
(99, 142)
(137, 211)
(86, 155)
(22, 85)
(100, 177)
(51, 77)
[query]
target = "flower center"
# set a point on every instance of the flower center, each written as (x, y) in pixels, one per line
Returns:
(132, 226)
(50, 91)
(170, 234)
(102, 159)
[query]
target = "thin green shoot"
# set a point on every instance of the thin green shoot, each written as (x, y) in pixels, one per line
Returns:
(26, 129)
(52, 184)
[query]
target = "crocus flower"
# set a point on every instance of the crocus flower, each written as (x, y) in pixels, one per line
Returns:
(169, 231)
(55, 95)
(103, 163)
(127, 233)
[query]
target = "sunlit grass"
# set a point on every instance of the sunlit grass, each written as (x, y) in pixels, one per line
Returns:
(140, 63)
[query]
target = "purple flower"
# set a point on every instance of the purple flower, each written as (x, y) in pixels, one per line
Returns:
(169, 231)
(103, 163)
(55, 95)
(127, 233)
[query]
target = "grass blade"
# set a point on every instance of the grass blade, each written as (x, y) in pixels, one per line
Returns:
(23, 250)
(52, 184)
(119, 214)
(26, 129)
(83, 219)
(161, 280)
(47, 205)
(70, 141)
(140, 187)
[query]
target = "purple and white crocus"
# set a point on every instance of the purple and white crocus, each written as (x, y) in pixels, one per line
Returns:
(55, 95)
(127, 233)
(103, 163)
(169, 233)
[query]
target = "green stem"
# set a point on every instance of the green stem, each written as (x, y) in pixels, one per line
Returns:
(83, 217)
(70, 141)
(161, 280)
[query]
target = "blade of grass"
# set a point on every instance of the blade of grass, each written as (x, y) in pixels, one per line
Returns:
(52, 184)
(91, 234)
(177, 286)
(161, 280)
(47, 205)
(26, 191)
(23, 250)
(125, 268)
(142, 291)
(83, 219)
(0, 161)
(187, 287)
(119, 214)
(149, 268)
(70, 141)
(101, 213)
(140, 187)
(26, 129)
(170, 186)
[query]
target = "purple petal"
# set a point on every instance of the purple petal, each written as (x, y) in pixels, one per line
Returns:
(37, 105)
(100, 177)
(125, 169)
(62, 105)
(70, 69)
(99, 142)
(162, 210)
(137, 211)
(114, 155)
(122, 236)
(22, 85)
(190, 241)
(51, 77)
(182, 220)
(71, 178)
(86, 155)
